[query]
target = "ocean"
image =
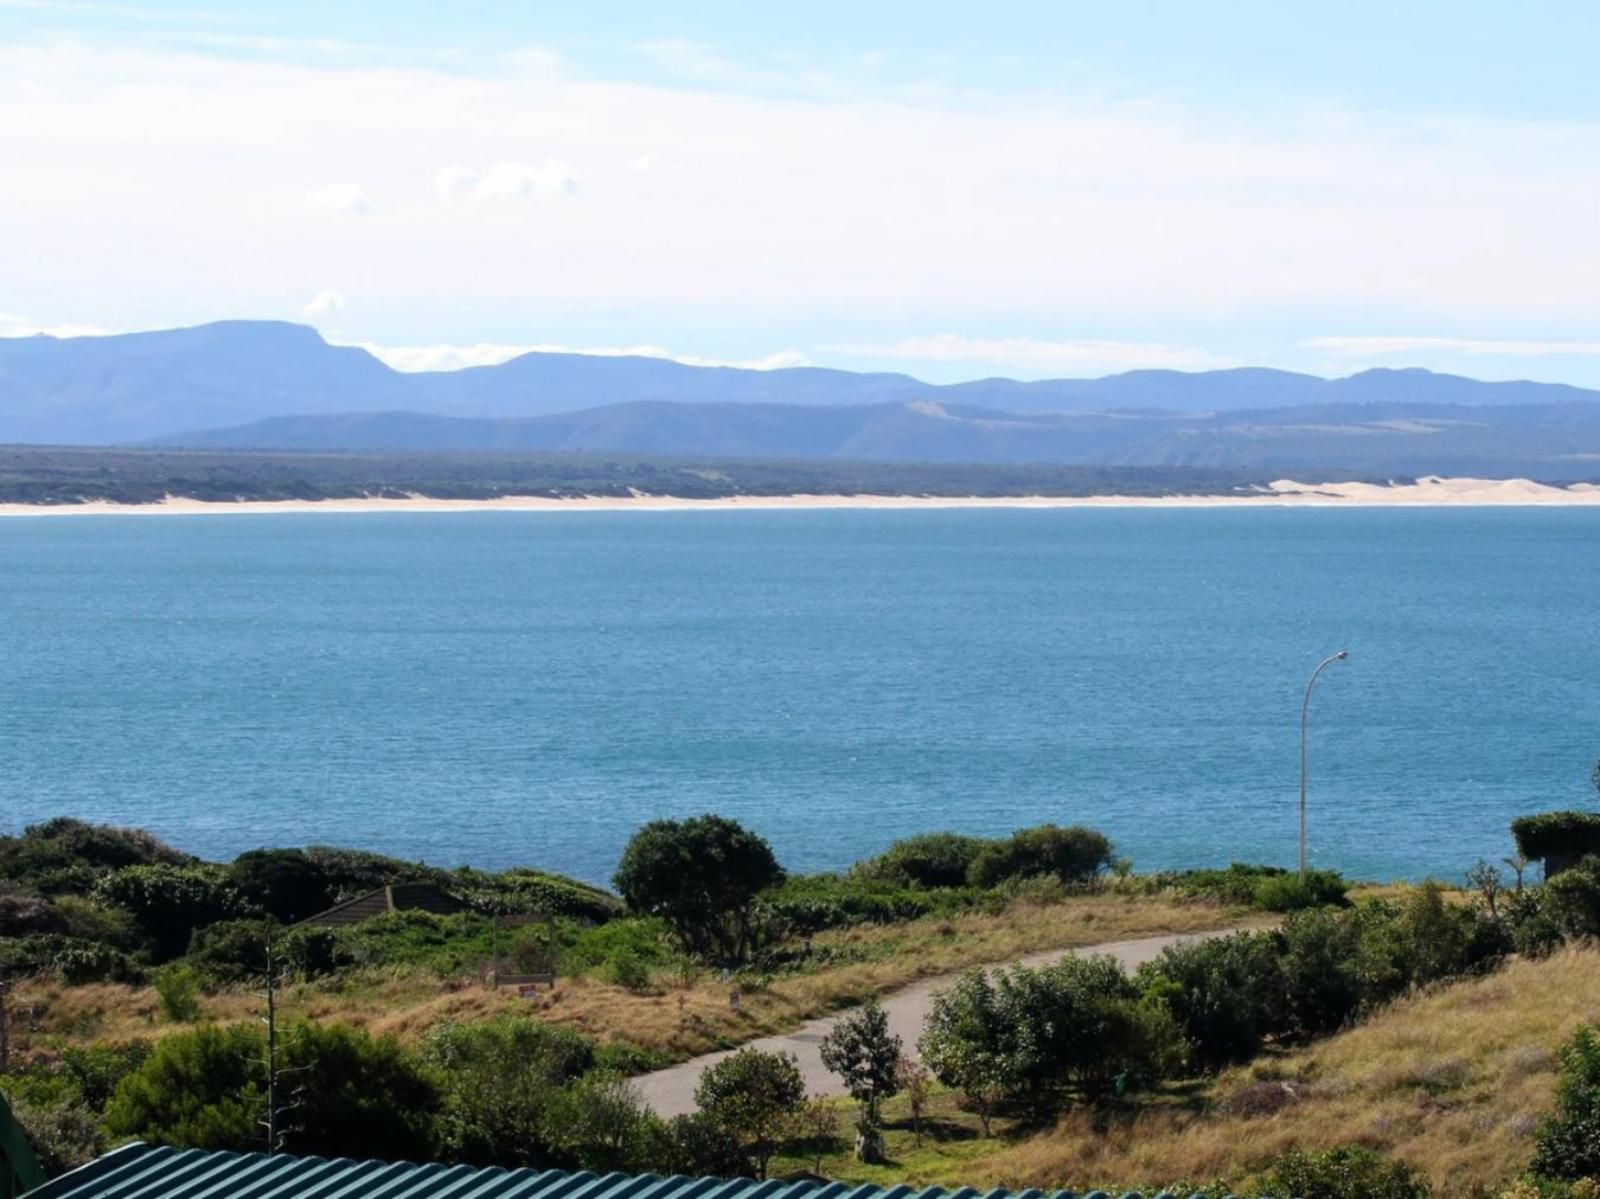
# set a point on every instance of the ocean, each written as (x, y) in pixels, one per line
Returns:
(528, 688)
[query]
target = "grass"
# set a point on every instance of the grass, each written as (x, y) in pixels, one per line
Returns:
(674, 1018)
(1454, 1081)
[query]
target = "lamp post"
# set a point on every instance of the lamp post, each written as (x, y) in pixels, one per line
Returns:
(1305, 709)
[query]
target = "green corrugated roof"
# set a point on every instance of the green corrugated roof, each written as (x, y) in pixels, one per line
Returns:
(158, 1172)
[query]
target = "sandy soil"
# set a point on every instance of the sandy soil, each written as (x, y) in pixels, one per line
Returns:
(1430, 491)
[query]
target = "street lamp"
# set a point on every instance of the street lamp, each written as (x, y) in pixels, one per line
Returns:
(1305, 708)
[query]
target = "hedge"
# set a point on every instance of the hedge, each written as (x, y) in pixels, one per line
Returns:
(1557, 835)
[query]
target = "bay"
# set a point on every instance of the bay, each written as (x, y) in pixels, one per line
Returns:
(527, 688)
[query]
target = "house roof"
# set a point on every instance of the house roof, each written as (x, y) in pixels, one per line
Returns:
(161, 1172)
(398, 897)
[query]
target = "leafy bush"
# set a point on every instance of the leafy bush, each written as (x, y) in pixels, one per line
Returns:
(751, 1096)
(170, 902)
(521, 890)
(197, 1090)
(93, 1071)
(1321, 960)
(1226, 994)
(701, 876)
(178, 993)
(1569, 1141)
(235, 951)
(931, 860)
(698, 1147)
(21, 914)
(814, 902)
(353, 872)
(1287, 892)
(66, 844)
(1349, 1172)
(499, 1080)
(641, 942)
(287, 884)
(1073, 855)
(70, 959)
(1572, 899)
(447, 944)
(64, 1136)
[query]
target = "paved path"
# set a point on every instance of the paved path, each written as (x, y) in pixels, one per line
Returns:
(671, 1091)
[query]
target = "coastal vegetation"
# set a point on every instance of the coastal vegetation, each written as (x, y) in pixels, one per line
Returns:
(56, 475)
(139, 972)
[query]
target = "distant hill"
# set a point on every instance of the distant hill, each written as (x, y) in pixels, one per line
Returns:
(259, 380)
(1394, 438)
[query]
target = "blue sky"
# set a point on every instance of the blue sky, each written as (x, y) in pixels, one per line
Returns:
(951, 190)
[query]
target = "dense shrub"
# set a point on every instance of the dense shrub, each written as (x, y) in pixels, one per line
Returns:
(1285, 892)
(1572, 899)
(701, 876)
(235, 951)
(447, 944)
(22, 914)
(1557, 836)
(499, 1079)
(637, 942)
(1569, 1141)
(356, 1096)
(287, 884)
(170, 902)
(1348, 1172)
(814, 902)
(751, 1096)
(64, 1136)
(353, 872)
(929, 860)
(521, 890)
(66, 844)
(1073, 855)
(1034, 1036)
(696, 1146)
(1226, 994)
(70, 959)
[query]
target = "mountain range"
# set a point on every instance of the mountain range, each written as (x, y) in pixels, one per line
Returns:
(263, 384)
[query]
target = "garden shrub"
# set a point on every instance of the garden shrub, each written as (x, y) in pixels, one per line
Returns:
(1285, 892)
(1348, 1172)
(170, 902)
(932, 860)
(1073, 855)
(1569, 1141)
(1226, 994)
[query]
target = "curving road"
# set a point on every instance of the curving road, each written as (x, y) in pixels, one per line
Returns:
(670, 1092)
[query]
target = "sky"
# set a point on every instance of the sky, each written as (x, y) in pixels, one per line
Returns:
(1035, 189)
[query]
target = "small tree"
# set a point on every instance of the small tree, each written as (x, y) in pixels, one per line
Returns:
(965, 1043)
(915, 1084)
(1486, 879)
(864, 1054)
(701, 876)
(753, 1096)
(1569, 1141)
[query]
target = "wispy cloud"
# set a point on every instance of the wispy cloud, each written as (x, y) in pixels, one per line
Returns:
(459, 357)
(324, 304)
(346, 199)
(12, 325)
(1028, 355)
(1378, 346)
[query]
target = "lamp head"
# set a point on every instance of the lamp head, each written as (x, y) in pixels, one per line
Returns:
(1342, 654)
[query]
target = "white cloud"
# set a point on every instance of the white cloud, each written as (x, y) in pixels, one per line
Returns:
(1028, 356)
(507, 179)
(643, 163)
(324, 304)
(345, 199)
(459, 357)
(1377, 346)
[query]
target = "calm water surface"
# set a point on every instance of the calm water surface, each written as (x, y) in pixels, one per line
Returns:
(501, 688)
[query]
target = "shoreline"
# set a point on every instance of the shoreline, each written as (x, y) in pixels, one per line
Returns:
(1428, 492)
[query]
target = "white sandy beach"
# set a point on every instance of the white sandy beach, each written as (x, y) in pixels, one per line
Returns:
(1285, 493)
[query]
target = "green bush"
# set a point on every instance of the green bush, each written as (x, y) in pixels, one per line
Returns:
(64, 1136)
(1073, 855)
(1287, 892)
(352, 872)
(752, 1096)
(814, 902)
(287, 884)
(70, 959)
(1572, 899)
(65, 844)
(197, 1090)
(1321, 961)
(178, 993)
(523, 891)
(931, 860)
(1349, 1172)
(1569, 1141)
(170, 902)
(585, 949)
(94, 1071)
(235, 951)
(1226, 994)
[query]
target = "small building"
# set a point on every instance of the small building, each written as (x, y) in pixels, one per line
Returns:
(399, 897)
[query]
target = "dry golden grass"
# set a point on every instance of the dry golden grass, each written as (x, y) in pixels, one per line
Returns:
(672, 1020)
(1453, 1081)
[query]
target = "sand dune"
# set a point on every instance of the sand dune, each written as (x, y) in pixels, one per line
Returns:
(1425, 492)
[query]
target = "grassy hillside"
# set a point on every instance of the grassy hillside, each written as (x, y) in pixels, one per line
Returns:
(1454, 1081)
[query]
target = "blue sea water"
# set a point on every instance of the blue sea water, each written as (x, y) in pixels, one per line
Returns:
(502, 688)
